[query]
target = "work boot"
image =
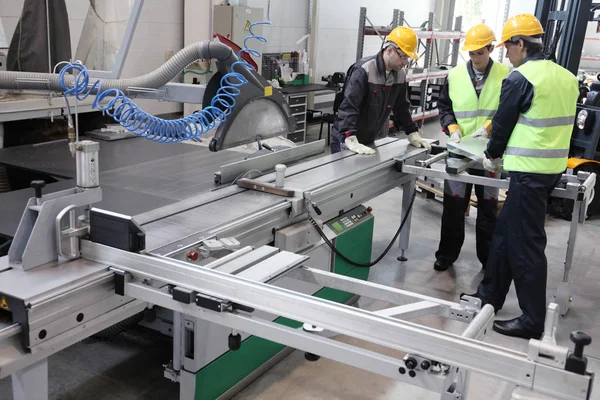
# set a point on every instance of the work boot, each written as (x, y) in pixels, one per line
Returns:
(441, 264)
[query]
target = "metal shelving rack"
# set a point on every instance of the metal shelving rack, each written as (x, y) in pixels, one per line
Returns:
(428, 37)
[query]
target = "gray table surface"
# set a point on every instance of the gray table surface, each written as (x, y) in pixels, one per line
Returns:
(137, 175)
(54, 158)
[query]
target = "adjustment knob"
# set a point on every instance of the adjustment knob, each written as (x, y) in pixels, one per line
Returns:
(581, 339)
(38, 186)
(410, 363)
(193, 256)
(425, 365)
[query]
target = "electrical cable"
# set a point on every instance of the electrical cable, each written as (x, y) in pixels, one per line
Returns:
(357, 264)
(134, 119)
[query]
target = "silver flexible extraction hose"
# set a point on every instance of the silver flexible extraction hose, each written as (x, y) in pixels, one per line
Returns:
(153, 80)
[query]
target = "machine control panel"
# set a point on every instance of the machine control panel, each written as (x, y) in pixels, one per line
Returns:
(348, 220)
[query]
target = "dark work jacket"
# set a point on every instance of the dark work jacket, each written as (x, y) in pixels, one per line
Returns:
(369, 98)
(516, 97)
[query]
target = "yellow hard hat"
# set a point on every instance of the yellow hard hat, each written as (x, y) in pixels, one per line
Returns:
(521, 25)
(478, 37)
(406, 39)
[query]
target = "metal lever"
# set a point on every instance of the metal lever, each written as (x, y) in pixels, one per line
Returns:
(436, 158)
(38, 186)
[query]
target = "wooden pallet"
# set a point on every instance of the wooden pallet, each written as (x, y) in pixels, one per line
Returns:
(429, 191)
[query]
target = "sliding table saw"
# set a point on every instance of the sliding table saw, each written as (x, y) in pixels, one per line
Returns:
(240, 275)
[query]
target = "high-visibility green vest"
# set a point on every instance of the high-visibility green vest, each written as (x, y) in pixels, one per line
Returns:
(472, 111)
(540, 141)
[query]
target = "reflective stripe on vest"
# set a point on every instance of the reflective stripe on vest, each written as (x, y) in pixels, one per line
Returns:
(474, 114)
(472, 111)
(541, 138)
(535, 153)
(546, 122)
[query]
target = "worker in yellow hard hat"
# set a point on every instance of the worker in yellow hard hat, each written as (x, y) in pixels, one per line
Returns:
(374, 87)
(467, 102)
(530, 139)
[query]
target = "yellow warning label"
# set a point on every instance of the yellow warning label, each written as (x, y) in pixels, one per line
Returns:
(269, 91)
(3, 303)
(247, 27)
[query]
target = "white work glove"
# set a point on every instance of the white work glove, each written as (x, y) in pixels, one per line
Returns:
(456, 137)
(484, 131)
(494, 165)
(416, 140)
(455, 133)
(352, 144)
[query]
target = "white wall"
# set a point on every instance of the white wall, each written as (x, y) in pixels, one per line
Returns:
(338, 29)
(159, 31)
(490, 12)
(289, 22)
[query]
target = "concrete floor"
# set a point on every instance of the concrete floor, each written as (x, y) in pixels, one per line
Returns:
(130, 366)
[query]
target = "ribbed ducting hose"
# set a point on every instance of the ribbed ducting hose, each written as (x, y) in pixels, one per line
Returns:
(153, 80)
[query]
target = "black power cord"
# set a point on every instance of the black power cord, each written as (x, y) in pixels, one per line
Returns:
(349, 261)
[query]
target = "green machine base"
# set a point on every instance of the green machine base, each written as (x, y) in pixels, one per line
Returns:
(354, 240)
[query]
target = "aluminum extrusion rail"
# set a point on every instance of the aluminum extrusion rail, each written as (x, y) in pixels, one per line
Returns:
(452, 349)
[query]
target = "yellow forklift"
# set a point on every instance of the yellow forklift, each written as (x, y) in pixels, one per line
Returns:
(565, 23)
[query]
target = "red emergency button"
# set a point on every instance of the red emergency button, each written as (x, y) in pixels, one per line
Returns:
(193, 256)
(368, 210)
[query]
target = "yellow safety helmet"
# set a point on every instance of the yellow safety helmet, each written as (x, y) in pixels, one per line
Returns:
(521, 25)
(406, 40)
(478, 37)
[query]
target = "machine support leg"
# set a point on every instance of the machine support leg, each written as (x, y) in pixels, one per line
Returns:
(408, 190)
(31, 382)
(563, 295)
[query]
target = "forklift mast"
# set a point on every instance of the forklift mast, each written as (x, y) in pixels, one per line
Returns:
(565, 23)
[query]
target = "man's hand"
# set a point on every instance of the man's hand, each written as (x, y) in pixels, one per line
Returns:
(456, 137)
(416, 140)
(485, 130)
(455, 133)
(493, 165)
(352, 144)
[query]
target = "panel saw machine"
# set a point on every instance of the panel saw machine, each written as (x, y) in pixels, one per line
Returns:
(241, 276)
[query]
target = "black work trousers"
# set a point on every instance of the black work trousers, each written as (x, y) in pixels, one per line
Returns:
(456, 200)
(518, 248)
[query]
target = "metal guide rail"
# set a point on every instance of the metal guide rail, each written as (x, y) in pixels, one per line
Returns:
(334, 183)
(232, 300)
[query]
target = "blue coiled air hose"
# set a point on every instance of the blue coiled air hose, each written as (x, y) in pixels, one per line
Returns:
(134, 119)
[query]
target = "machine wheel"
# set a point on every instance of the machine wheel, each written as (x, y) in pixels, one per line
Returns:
(563, 208)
